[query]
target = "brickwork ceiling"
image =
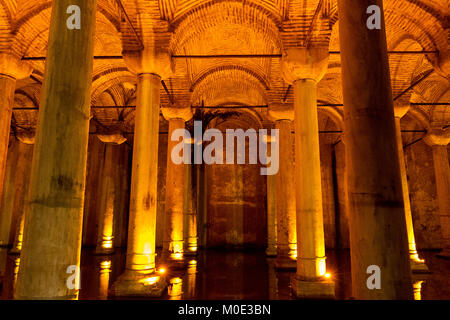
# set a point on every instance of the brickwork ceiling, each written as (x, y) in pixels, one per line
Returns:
(231, 27)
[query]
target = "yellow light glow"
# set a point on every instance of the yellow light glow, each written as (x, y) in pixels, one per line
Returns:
(322, 267)
(176, 280)
(149, 280)
(193, 249)
(193, 262)
(105, 264)
(327, 275)
(177, 256)
(162, 270)
(417, 288)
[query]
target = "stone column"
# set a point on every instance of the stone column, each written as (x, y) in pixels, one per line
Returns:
(190, 209)
(53, 221)
(285, 190)
(271, 216)
(377, 221)
(304, 68)
(105, 229)
(173, 244)
(11, 69)
(140, 277)
(24, 167)
(417, 265)
(438, 139)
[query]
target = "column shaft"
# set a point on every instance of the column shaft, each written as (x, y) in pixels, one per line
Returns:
(173, 232)
(311, 243)
(285, 190)
(7, 87)
(271, 215)
(377, 220)
(190, 209)
(105, 236)
(53, 222)
(442, 174)
(416, 264)
(144, 177)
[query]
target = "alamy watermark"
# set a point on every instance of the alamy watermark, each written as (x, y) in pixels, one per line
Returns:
(235, 140)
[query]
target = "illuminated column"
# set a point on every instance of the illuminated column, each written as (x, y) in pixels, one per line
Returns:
(23, 170)
(173, 232)
(105, 229)
(285, 190)
(377, 220)
(140, 277)
(190, 210)
(417, 265)
(11, 69)
(304, 68)
(438, 139)
(271, 214)
(54, 217)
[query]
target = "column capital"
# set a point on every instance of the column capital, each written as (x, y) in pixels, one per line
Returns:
(12, 66)
(304, 63)
(149, 60)
(173, 112)
(281, 112)
(401, 108)
(437, 137)
(26, 137)
(112, 138)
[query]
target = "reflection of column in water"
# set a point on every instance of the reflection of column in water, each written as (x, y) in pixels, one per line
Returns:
(417, 288)
(3, 256)
(105, 270)
(16, 271)
(191, 280)
(175, 288)
(272, 278)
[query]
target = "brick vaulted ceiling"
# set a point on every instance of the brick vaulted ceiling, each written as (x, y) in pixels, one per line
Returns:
(232, 27)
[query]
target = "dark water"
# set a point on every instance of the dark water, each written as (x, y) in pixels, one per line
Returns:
(228, 275)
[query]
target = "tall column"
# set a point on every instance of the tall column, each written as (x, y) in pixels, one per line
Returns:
(173, 244)
(11, 69)
(271, 215)
(108, 191)
(438, 139)
(53, 221)
(417, 265)
(377, 221)
(140, 277)
(285, 190)
(24, 168)
(304, 68)
(190, 209)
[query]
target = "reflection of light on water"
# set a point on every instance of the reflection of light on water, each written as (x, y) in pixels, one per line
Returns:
(175, 288)
(105, 270)
(162, 270)
(417, 288)
(191, 279)
(16, 270)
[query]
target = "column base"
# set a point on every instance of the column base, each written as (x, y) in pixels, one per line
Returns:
(271, 252)
(320, 289)
(285, 263)
(14, 251)
(419, 267)
(103, 251)
(444, 254)
(136, 284)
